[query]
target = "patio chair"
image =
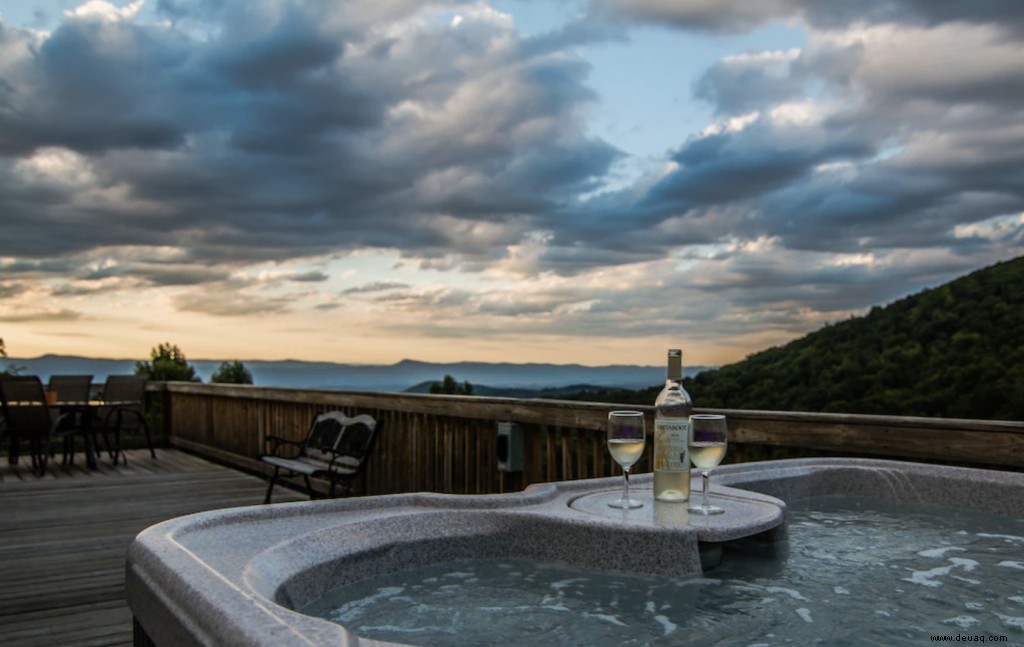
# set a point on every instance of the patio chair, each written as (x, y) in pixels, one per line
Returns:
(335, 448)
(71, 388)
(125, 414)
(27, 416)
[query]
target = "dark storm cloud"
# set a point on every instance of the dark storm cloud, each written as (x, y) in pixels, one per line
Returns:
(184, 276)
(728, 167)
(309, 277)
(286, 130)
(744, 84)
(878, 138)
(8, 290)
(242, 133)
(741, 15)
(76, 91)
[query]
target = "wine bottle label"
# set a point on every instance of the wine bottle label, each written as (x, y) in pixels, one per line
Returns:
(671, 445)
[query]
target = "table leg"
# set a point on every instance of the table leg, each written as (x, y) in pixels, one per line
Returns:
(90, 449)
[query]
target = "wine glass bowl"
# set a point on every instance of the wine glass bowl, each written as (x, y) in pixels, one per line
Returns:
(626, 441)
(708, 441)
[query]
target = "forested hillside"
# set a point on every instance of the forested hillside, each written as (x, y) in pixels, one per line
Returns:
(954, 351)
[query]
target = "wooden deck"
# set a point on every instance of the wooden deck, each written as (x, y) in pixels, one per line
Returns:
(63, 539)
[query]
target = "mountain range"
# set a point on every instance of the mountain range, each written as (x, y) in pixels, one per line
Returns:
(401, 376)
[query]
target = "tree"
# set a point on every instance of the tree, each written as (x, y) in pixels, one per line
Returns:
(450, 386)
(232, 373)
(168, 365)
(10, 369)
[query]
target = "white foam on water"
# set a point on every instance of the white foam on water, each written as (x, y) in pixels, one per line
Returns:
(604, 617)
(928, 578)
(967, 564)
(966, 579)
(841, 590)
(558, 586)
(1013, 622)
(650, 607)
(1019, 599)
(790, 592)
(349, 610)
(669, 626)
(462, 575)
(1010, 539)
(554, 607)
(805, 614)
(884, 614)
(964, 622)
(1006, 563)
(974, 606)
(939, 552)
(404, 630)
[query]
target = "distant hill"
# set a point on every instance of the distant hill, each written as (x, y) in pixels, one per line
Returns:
(953, 351)
(382, 378)
(584, 392)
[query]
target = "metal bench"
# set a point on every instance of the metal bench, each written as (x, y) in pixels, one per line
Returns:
(335, 449)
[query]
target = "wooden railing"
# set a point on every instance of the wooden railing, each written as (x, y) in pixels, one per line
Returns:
(448, 443)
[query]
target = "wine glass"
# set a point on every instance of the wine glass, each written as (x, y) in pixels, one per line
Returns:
(626, 440)
(708, 440)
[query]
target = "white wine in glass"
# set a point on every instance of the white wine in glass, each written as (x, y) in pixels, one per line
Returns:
(708, 441)
(626, 439)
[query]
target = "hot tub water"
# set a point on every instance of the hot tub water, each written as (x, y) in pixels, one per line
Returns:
(856, 571)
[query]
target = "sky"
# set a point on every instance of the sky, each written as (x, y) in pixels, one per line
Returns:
(565, 181)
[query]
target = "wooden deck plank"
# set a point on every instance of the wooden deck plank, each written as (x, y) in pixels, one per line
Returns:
(63, 538)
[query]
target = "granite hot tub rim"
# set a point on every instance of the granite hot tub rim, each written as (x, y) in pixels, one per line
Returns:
(241, 576)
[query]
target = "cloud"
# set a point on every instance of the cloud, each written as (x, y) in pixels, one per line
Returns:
(186, 155)
(873, 137)
(743, 83)
(309, 277)
(41, 316)
(376, 286)
(105, 11)
(10, 289)
(739, 15)
(286, 129)
(228, 303)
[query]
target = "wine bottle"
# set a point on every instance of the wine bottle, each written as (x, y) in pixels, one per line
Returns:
(672, 435)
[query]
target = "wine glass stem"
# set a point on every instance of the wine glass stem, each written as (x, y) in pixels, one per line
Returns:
(706, 477)
(625, 484)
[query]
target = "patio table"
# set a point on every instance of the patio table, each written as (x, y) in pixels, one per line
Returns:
(86, 410)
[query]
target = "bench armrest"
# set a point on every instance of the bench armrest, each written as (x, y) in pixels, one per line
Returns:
(275, 443)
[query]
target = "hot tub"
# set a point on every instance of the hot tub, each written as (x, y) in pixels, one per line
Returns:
(238, 576)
